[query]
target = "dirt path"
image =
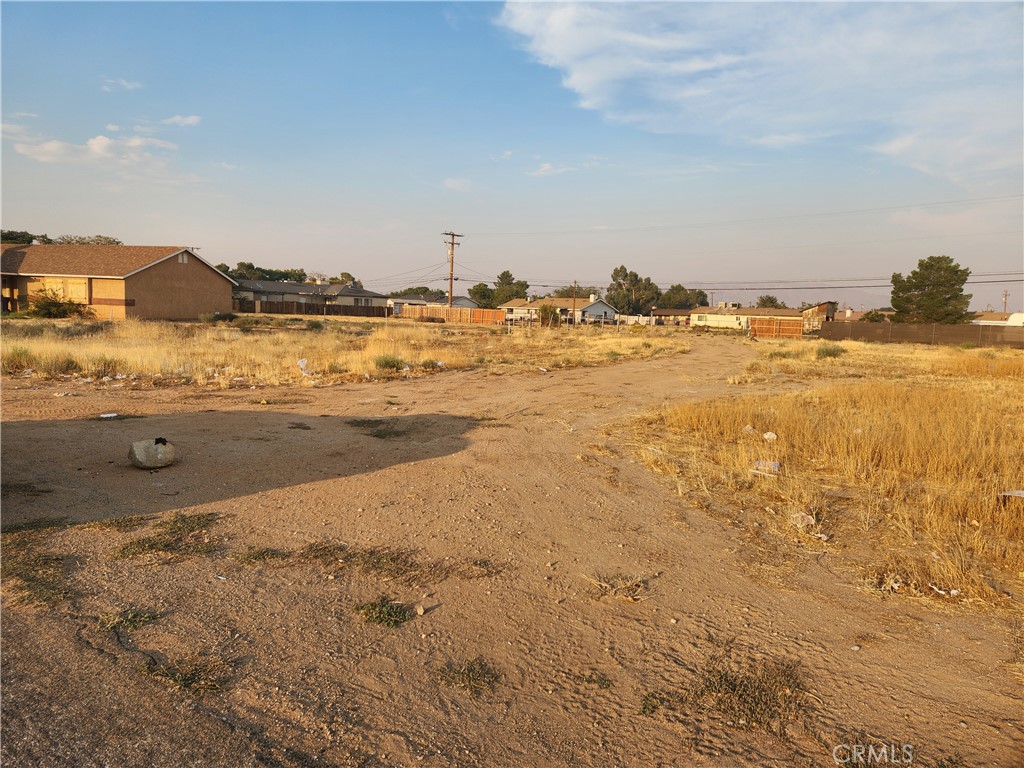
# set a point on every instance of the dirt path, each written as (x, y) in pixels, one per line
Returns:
(517, 495)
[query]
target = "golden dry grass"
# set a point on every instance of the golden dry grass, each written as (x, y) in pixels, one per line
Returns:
(267, 351)
(899, 464)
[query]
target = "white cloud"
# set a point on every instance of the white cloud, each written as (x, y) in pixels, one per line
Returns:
(777, 75)
(547, 169)
(130, 157)
(119, 84)
(182, 120)
(456, 185)
(113, 127)
(24, 114)
(13, 130)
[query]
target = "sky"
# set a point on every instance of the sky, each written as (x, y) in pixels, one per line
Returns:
(801, 150)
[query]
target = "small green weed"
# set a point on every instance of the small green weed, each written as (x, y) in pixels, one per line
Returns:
(126, 620)
(599, 679)
(123, 523)
(385, 611)
(195, 675)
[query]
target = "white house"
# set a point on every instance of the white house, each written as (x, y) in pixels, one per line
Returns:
(580, 310)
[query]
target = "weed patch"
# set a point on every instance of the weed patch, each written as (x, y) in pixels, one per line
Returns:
(632, 589)
(177, 536)
(196, 675)
(125, 621)
(385, 611)
(261, 555)
(475, 677)
(123, 523)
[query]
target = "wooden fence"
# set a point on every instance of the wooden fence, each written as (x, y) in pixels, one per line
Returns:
(919, 333)
(299, 308)
(777, 327)
(455, 314)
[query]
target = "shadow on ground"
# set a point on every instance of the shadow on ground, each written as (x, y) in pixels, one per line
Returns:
(80, 470)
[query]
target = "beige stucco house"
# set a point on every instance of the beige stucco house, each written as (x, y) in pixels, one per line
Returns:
(117, 281)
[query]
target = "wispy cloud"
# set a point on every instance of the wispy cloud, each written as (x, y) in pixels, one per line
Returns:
(182, 120)
(128, 157)
(456, 185)
(24, 114)
(547, 169)
(119, 84)
(778, 75)
(226, 166)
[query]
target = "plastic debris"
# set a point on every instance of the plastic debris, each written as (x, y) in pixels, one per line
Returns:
(749, 430)
(771, 437)
(108, 415)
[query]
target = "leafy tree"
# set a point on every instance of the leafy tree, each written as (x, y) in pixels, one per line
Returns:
(679, 297)
(580, 292)
(630, 294)
(506, 288)
(346, 278)
(548, 316)
(246, 270)
(18, 237)
(770, 302)
(433, 294)
(87, 240)
(932, 293)
(483, 295)
(873, 316)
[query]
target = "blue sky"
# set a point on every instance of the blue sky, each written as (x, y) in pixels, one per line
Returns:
(745, 148)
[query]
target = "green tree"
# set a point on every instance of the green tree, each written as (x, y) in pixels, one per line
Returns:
(631, 294)
(17, 237)
(770, 302)
(680, 297)
(506, 288)
(483, 295)
(873, 316)
(346, 278)
(87, 240)
(932, 293)
(583, 292)
(432, 294)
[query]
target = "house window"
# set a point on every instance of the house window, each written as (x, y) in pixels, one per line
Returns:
(183, 258)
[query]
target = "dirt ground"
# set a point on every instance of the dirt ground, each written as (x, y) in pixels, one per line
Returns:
(517, 492)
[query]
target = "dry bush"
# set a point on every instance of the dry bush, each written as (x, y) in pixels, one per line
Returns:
(906, 473)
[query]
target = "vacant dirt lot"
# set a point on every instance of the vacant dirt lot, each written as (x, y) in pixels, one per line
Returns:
(493, 506)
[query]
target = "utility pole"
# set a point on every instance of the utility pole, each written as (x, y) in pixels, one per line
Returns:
(1006, 295)
(451, 263)
(573, 303)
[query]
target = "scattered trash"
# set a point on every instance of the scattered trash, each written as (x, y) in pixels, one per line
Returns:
(858, 431)
(771, 437)
(439, 363)
(151, 454)
(302, 367)
(108, 415)
(545, 370)
(61, 394)
(222, 578)
(366, 376)
(766, 468)
(405, 367)
(749, 430)
(1007, 496)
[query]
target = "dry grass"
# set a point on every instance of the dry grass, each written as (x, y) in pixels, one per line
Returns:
(258, 350)
(901, 464)
(632, 589)
(475, 677)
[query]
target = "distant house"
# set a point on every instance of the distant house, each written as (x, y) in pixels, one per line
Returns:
(817, 314)
(117, 281)
(731, 316)
(308, 293)
(671, 316)
(1008, 319)
(417, 300)
(581, 310)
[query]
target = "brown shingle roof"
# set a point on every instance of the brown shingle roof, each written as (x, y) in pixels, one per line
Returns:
(82, 260)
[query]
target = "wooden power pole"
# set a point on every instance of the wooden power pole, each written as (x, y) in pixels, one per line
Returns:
(451, 263)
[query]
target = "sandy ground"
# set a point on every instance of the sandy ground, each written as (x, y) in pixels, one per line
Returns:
(526, 472)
